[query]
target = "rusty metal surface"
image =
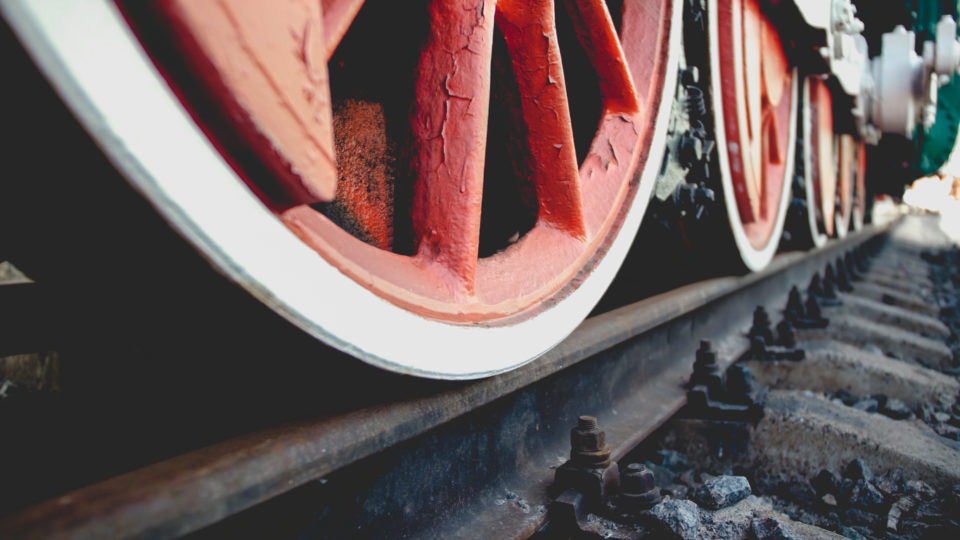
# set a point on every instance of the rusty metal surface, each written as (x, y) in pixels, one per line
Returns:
(490, 439)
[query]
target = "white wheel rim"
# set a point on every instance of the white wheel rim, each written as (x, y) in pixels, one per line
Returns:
(96, 64)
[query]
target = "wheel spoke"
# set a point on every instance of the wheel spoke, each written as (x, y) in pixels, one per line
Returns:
(771, 140)
(622, 117)
(337, 16)
(774, 74)
(765, 73)
(752, 36)
(753, 161)
(596, 33)
(450, 128)
(530, 33)
(775, 68)
(276, 103)
(465, 111)
(644, 46)
(771, 154)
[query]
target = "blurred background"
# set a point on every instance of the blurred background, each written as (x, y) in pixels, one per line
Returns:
(939, 194)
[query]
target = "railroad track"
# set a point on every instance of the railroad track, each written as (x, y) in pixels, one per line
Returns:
(480, 458)
(255, 246)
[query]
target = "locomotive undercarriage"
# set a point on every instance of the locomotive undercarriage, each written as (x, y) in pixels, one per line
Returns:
(464, 222)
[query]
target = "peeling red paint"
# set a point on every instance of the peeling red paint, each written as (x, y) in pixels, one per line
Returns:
(265, 65)
(283, 49)
(595, 30)
(529, 29)
(450, 125)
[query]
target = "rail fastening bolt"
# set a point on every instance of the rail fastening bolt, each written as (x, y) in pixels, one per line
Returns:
(829, 287)
(739, 384)
(761, 326)
(816, 286)
(760, 317)
(638, 488)
(852, 269)
(794, 307)
(588, 444)
(829, 277)
(706, 372)
(843, 276)
(786, 334)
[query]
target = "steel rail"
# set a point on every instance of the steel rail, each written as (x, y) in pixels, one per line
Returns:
(496, 439)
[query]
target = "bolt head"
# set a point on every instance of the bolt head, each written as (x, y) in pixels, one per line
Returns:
(637, 479)
(586, 422)
(760, 317)
(587, 440)
(706, 358)
(785, 332)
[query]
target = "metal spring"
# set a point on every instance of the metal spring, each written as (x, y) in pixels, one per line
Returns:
(696, 106)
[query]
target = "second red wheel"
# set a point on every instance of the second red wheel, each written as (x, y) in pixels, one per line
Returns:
(755, 92)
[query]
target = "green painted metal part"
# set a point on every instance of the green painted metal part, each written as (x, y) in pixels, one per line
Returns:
(934, 147)
(926, 14)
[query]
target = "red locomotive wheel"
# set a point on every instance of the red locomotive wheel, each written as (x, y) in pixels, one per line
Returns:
(859, 185)
(755, 94)
(821, 159)
(442, 188)
(846, 163)
(825, 156)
